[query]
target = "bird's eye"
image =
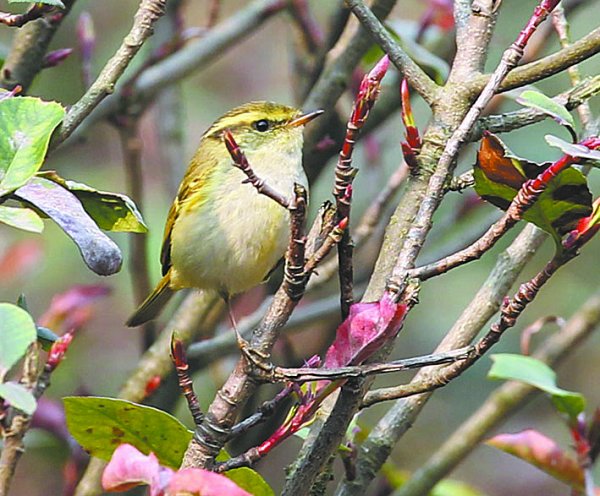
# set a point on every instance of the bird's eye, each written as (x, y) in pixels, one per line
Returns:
(261, 125)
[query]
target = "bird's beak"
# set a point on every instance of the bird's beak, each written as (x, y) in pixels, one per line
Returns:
(305, 119)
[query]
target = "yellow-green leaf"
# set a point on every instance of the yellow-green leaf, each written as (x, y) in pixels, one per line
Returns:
(21, 218)
(99, 425)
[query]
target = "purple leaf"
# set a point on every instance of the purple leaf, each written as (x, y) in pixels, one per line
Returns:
(367, 327)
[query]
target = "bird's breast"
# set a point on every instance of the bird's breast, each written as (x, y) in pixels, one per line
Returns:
(235, 236)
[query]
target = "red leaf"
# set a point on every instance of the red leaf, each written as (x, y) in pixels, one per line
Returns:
(129, 468)
(542, 452)
(198, 482)
(367, 327)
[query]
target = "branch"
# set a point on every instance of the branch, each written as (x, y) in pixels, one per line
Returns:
(147, 14)
(417, 78)
(305, 374)
(29, 46)
(224, 35)
(34, 12)
(501, 403)
(344, 175)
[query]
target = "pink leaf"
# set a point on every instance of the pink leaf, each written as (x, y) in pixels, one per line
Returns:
(198, 482)
(367, 327)
(542, 452)
(74, 307)
(129, 468)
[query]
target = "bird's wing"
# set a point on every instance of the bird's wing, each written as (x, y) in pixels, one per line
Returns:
(165, 252)
(190, 195)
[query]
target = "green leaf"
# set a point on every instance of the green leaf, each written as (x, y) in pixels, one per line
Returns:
(246, 478)
(17, 332)
(22, 218)
(57, 3)
(18, 396)
(573, 149)
(26, 124)
(111, 211)
(499, 175)
(99, 425)
(537, 374)
(539, 101)
(99, 252)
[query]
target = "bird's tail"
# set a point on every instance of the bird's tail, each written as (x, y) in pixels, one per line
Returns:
(154, 304)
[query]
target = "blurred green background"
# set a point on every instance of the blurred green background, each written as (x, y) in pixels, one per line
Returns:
(260, 68)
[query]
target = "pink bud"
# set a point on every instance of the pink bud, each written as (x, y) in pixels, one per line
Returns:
(58, 350)
(52, 59)
(380, 68)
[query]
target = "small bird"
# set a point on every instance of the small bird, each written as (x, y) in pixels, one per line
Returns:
(221, 234)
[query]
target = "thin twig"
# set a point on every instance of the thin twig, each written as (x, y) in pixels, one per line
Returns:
(305, 374)
(525, 198)
(241, 162)
(263, 413)
(184, 379)
(34, 12)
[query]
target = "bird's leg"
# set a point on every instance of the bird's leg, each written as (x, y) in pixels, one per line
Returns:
(254, 356)
(242, 343)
